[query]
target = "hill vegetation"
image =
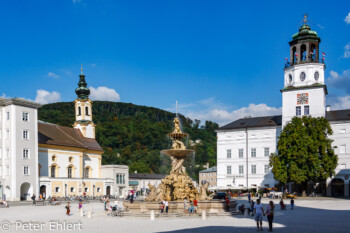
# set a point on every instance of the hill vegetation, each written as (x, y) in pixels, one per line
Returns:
(134, 135)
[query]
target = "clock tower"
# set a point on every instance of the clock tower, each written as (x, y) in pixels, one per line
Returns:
(304, 91)
(83, 109)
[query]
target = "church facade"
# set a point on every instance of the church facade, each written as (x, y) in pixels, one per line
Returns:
(244, 146)
(70, 158)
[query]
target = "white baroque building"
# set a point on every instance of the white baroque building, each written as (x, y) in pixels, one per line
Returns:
(18, 149)
(244, 146)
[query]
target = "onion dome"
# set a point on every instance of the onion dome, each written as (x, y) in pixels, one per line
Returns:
(82, 91)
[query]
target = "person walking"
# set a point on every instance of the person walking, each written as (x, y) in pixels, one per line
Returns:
(191, 209)
(33, 198)
(162, 207)
(249, 196)
(258, 212)
(227, 200)
(81, 208)
(195, 204)
(68, 209)
(292, 203)
(270, 211)
(166, 205)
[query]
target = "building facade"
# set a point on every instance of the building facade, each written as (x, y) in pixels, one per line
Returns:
(18, 149)
(120, 175)
(70, 158)
(208, 176)
(244, 146)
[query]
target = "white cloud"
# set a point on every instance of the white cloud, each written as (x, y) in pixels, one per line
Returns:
(46, 97)
(53, 75)
(340, 102)
(104, 93)
(210, 109)
(347, 19)
(347, 51)
(340, 81)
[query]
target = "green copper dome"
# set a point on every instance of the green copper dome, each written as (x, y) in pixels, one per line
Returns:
(82, 91)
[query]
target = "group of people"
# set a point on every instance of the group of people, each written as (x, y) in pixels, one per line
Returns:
(164, 206)
(109, 206)
(4, 203)
(68, 206)
(257, 210)
(190, 207)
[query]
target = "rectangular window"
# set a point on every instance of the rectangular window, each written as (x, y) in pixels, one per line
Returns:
(342, 149)
(306, 110)
(70, 172)
(25, 116)
(25, 153)
(240, 153)
(7, 115)
(25, 134)
(57, 189)
(26, 170)
(343, 131)
(267, 152)
(241, 169)
(228, 153)
(72, 189)
(7, 152)
(7, 134)
(253, 169)
(123, 179)
(228, 170)
(266, 169)
(117, 179)
(298, 111)
(253, 152)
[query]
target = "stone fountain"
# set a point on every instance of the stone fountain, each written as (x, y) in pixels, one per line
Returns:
(178, 185)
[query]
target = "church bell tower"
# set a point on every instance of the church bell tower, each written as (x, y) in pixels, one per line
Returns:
(304, 91)
(83, 106)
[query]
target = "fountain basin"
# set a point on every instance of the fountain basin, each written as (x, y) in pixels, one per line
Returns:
(178, 153)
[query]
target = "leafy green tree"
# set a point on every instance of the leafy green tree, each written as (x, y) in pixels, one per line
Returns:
(305, 152)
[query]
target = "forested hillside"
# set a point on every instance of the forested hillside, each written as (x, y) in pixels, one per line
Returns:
(134, 135)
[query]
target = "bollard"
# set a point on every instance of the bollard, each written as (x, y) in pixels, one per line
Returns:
(246, 213)
(204, 215)
(152, 215)
(90, 212)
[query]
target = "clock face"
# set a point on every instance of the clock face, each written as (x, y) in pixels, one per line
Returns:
(303, 98)
(290, 79)
(302, 76)
(317, 75)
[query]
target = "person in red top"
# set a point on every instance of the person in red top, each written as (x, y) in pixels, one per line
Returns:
(195, 203)
(227, 203)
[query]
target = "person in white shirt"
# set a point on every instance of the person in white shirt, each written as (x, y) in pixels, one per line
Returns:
(166, 205)
(258, 212)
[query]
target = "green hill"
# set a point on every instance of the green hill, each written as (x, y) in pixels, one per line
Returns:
(134, 135)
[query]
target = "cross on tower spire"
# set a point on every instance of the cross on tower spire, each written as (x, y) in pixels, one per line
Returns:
(305, 19)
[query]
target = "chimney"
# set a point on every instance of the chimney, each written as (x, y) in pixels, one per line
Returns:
(328, 108)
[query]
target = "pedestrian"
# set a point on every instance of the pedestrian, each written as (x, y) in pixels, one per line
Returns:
(33, 198)
(270, 211)
(258, 212)
(227, 203)
(166, 206)
(68, 209)
(249, 197)
(252, 207)
(80, 208)
(283, 207)
(162, 207)
(195, 204)
(292, 203)
(191, 209)
(185, 205)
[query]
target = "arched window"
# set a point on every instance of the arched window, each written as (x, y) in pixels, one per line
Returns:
(87, 172)
(53, 170)
(294, 57)
(87, 111)
(70, 171)
(313, 52)
(303, 53)
(79, 111)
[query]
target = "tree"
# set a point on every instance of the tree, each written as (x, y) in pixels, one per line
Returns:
(305, 152)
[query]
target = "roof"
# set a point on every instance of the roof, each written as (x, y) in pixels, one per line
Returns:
(315, 85)
(254, 122)
(211, 169)
(146, 176)
(20, 102)
(65, 136)
(338, 115)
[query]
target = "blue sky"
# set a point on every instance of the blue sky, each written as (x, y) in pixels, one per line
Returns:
(220, 59)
